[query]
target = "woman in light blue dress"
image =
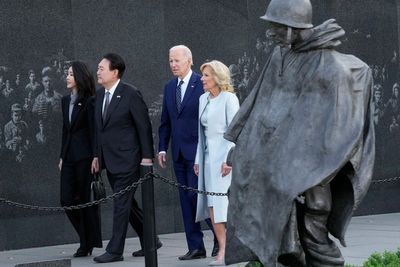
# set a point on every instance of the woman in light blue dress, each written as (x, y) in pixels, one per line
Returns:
(217, 107)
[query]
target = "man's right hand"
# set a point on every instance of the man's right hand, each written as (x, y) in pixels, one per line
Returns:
(162, 159)
(95, 165)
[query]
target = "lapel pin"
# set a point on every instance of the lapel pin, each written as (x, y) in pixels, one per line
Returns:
(79, 104)
(118, 96)
(192, 86)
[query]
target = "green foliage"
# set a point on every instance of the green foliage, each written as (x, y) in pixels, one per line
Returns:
(254, 264)
(385, 259)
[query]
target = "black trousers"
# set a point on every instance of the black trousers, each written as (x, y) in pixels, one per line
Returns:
(126, 209)
(75, 189)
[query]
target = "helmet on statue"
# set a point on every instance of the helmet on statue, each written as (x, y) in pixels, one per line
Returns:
(292, 13)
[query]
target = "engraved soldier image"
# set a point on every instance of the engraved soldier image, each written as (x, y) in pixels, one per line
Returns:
(48, 101)
(16, 134)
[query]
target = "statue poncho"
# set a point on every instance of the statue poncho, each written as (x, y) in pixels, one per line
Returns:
(307, 121)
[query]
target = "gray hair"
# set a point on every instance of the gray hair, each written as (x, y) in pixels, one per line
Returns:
(185, 50)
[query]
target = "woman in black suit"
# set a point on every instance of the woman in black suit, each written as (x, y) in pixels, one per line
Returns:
(78, 140)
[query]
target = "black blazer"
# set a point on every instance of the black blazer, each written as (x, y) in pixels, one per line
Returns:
(78, 136)
(125, 136)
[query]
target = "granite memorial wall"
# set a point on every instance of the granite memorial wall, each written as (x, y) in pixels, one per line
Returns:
(40, 39)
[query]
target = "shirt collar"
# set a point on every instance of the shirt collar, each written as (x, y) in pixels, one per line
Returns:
(187, 78)
(112, 89)
(74, 96)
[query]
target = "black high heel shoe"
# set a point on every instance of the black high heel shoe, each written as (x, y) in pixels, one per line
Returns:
(81, 252)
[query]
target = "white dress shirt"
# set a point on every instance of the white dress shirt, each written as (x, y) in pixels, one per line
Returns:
(112, 90)
(185, 84)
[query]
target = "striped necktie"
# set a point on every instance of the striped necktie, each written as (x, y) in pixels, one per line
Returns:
(178, 93)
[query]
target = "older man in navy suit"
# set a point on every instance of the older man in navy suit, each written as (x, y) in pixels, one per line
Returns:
(179, 122)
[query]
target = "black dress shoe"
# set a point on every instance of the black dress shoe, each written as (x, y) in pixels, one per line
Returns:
(82, 252)
(194, 254)
(107, 257)
(215, 250)
(140, 252)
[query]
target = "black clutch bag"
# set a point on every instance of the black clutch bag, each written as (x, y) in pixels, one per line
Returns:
(97, 187)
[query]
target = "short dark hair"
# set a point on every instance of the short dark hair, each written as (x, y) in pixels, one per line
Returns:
(116, 62)
(84, 79)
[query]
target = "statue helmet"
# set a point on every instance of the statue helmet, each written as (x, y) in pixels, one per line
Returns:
(292, 13)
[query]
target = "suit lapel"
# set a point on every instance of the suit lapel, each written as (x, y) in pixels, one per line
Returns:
(77, 109)
(203, 105)
(173, 92)
(66, 111)
(114, 102)
(99, 106)
(189, 91)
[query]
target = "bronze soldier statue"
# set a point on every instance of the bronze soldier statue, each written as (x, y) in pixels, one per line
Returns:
(305, 149)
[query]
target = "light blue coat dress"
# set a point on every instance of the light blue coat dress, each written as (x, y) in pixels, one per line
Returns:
(220, 112)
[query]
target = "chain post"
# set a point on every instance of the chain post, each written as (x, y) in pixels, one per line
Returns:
(149, 222)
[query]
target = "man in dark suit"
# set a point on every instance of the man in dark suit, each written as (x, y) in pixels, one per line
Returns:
(179, 122)
(124, 142)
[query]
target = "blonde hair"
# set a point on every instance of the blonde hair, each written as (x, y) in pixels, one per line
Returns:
(221, 75)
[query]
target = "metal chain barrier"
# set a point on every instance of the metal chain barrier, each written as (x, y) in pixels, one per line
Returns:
(134, 185)
(387, 180)
(187, 188)
(80, 206)
(184, 187)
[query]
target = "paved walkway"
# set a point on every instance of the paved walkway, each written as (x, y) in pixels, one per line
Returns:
(366, 234)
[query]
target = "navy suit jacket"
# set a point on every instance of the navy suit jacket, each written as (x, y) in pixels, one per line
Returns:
(182, 127)
(125, 136)
(77, 135)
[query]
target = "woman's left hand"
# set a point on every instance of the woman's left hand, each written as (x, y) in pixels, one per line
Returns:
(196, 169)
(225, 169)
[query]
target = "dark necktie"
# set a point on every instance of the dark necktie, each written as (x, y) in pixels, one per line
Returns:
(179, 96)
(107, 102)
